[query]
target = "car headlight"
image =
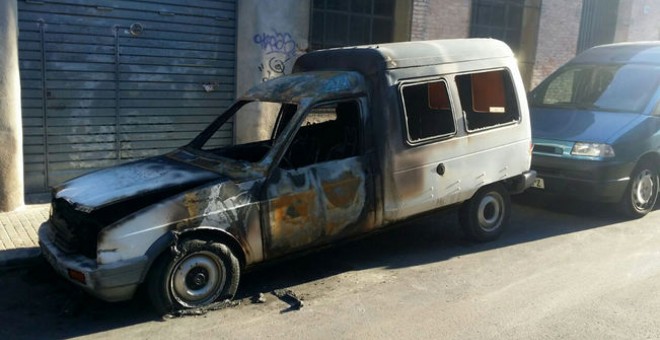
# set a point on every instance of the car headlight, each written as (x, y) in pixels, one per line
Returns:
(592, 150)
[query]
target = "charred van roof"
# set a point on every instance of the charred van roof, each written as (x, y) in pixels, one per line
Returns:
(321, 85)
(370, 59)
(638, 52)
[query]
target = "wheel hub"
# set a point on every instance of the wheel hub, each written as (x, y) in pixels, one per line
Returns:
(490, 211)
(643, 189)
(197, 279)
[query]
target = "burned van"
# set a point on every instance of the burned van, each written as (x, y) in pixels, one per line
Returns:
(359, 138)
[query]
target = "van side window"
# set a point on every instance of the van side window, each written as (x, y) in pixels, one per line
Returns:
(427, 111)
(488, 99)
(328, 132)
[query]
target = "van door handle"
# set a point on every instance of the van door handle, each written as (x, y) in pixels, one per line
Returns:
(440, 169)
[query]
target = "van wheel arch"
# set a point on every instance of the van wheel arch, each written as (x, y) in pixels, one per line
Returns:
(166, 241)
(216, 235)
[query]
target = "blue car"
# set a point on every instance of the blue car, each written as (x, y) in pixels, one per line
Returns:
(596, 127)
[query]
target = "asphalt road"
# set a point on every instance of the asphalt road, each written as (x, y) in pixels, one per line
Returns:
(563, 270)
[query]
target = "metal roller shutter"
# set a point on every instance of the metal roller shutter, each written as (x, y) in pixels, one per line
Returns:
(108, 81)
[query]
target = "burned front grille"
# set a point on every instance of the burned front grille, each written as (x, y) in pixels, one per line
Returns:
(75, 231)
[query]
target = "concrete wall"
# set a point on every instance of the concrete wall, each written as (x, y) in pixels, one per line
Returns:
(638, 20)
(403, 19)
(271, 35)
(528, 41)
(11, 141)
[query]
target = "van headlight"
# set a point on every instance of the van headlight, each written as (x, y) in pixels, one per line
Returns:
(592, 150)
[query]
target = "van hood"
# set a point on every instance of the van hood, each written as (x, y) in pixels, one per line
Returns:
(132, 181)
(580, 125)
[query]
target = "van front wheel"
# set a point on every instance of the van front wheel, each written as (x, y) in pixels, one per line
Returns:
(642, 191)
(200, 273)
(485, 215)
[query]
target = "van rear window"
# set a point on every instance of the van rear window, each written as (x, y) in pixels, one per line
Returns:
(488, 99)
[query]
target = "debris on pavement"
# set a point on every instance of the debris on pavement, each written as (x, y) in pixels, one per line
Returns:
(261, 298)
(202, 310)
(287, 295)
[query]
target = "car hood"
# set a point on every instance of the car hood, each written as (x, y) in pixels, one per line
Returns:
(131, 181)
(579, 125)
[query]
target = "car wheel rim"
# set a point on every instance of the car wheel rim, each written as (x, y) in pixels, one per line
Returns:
(491, 209)
(197, 279)
(643, 190)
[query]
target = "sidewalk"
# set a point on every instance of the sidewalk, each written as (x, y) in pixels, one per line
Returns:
(19, 244)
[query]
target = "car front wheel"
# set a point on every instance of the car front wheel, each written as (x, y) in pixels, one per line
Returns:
(200, 273)
(642, 191)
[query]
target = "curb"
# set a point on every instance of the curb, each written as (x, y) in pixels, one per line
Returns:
(19, 258)
(19, 239)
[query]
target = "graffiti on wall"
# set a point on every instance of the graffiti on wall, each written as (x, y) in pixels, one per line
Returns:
(279, 49)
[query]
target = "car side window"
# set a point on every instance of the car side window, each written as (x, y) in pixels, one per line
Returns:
(488, 99)
(329, 132)
(427, 109)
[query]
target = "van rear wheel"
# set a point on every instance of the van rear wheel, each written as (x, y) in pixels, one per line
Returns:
(485, 215)
(201, 273)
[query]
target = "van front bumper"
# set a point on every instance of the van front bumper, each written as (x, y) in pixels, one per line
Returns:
(599, 181)
(116, 281)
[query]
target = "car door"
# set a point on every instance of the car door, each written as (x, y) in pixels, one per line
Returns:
(318, 193)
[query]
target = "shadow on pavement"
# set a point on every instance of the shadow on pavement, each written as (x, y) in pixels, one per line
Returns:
(37, 303)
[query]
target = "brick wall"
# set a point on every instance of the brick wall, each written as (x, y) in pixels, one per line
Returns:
(446, 19)
(559, 28)
(440, 19)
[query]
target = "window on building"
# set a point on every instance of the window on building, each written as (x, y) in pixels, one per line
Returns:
(337, 23)
(427, 111)
(498, 19)
(488, 99)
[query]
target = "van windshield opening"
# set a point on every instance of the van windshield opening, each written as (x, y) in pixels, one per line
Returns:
(253, 146)
(616, 88)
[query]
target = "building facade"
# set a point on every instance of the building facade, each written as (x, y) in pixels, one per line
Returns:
(105, 82)
(544, 34)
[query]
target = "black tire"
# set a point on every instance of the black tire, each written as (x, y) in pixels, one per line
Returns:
(642, 191)
(485, 215)
(200, 274)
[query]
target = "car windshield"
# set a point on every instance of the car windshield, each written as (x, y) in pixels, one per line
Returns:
(617, 88)
(216, 139)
